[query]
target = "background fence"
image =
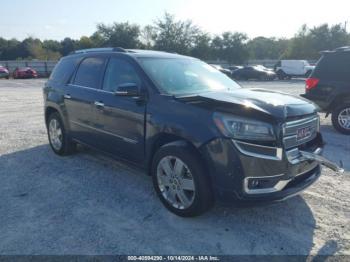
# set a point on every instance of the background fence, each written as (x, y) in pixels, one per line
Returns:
(44, 68)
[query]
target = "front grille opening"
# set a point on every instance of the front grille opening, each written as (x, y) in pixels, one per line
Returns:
(260, 143)
(301, 178)
(296, 118)
(307, 127)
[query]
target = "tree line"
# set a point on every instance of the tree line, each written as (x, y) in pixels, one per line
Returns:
(184, 37)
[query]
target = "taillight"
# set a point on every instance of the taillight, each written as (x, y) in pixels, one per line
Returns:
(311, 83)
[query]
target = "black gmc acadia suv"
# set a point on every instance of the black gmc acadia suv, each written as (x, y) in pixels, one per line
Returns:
(329, 87)
(197, 133)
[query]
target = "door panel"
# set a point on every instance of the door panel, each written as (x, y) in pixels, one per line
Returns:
(121, 126)
(78, 103)
(80, 96)
(121, 118)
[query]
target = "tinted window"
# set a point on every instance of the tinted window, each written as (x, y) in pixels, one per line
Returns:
(334, 67)
(90, 72)
(64, 70)
(119, 72)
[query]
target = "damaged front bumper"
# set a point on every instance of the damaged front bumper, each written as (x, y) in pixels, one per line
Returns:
(246, 174)
(320, 159)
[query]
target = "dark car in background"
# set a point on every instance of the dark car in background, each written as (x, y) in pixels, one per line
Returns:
(235, 67)
(194, 130)
(223, 70)
(329, 87)
(24, 72)
(4, 73)
(253, 72)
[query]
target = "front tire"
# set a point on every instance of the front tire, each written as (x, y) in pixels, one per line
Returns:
(341, 119)
(180, 180)
(58, 137)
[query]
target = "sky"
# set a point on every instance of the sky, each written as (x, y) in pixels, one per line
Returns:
(48, 19)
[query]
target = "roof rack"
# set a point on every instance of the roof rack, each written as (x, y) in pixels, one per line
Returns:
(343, 48)
(339, 49)
(93, 50)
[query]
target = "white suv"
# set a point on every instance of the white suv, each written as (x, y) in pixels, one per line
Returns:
(286, 69)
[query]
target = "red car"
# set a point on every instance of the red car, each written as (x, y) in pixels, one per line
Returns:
(25, 72)
(4, 73)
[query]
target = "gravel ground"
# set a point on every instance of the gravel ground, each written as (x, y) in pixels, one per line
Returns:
(91, 204)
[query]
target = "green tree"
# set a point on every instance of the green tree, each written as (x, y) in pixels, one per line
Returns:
(202, 46)
(266, 48)
(68, 45)
(308, 43)
(231, 47)
(174, 36)
(148, 35)
(85, 43)
(119, 35)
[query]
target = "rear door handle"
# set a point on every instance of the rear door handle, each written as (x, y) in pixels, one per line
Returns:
(99, 104)
(67, 96)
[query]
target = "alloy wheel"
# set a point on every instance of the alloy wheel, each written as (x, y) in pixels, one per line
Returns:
(55, 132)
(344, 118)
(175, 182)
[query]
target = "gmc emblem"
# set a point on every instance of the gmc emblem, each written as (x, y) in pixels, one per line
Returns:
(303, 133)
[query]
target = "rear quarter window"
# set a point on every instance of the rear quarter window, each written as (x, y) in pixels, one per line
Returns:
(334, 67)
(90, 72)
(64, 70)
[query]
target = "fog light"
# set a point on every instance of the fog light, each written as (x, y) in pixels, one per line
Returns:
(262, 183)
(254, 183)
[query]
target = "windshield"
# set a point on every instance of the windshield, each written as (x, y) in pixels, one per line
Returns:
(186, 76)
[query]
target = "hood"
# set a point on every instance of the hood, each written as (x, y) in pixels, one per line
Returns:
(254, 101)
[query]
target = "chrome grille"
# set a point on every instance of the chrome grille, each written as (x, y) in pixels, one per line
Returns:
(290, 130)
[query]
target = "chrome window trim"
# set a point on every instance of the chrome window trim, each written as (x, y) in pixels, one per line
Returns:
(90, 88)
(128, 140)
(277, 157)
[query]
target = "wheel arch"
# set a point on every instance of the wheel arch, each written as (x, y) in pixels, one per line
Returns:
(48, 111)
(163, 139)
(52, 108)
(338, 101)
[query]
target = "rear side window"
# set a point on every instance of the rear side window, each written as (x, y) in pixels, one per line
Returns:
(64, 70)
(90, 72)
(334, 66)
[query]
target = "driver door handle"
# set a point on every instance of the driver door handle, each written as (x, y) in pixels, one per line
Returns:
(99, 104)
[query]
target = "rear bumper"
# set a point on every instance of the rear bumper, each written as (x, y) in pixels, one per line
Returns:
(238, 177)
(321, 102)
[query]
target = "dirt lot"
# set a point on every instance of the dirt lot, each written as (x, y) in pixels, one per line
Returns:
(90, 204)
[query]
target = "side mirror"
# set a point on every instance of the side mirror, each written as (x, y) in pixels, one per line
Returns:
(127, 89)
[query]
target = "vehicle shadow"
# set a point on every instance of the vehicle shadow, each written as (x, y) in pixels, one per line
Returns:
(337, 146)
(91, 204)
(326, 252)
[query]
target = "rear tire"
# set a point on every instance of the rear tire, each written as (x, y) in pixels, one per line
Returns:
(191, 184)
(341, 119)
(59, 140)
(281, 75)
